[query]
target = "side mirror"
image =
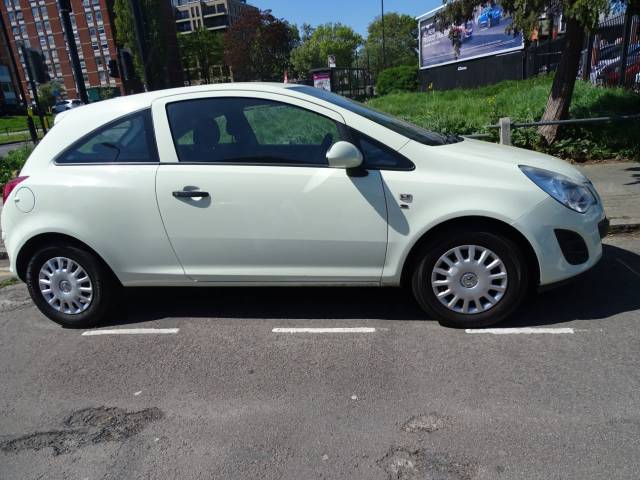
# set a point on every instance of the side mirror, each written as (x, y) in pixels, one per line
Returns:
(344, 155)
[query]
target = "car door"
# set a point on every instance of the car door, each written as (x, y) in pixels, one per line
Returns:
(246, 195)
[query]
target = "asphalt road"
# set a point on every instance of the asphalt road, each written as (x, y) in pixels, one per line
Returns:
(226, 398)
(7, 147)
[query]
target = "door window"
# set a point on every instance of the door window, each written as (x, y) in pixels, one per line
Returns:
(380, 157)
(250, 131)
(126, 140)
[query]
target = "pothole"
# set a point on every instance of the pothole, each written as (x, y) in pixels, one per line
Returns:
(404, 464)
(425, 423)
(84, 427)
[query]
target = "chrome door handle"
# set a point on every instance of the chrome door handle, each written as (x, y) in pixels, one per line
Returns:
(190, 194)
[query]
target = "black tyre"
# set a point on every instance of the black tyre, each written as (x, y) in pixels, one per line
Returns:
(70, 286)
(470, 279)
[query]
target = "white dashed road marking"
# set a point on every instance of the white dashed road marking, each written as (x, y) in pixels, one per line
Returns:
(131, 331)
(517, 331)
(325, 330)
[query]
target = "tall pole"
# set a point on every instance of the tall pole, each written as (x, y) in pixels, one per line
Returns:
(34, 88)
(14, 63)
(138, 25)
(384, 47)
(65, 8)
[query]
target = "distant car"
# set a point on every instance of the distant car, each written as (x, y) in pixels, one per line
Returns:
(609, 71)
(64, 105)
(272, 184)
(490, 16)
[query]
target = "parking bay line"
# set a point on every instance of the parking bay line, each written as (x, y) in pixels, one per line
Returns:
(131, 331)
(521, 331)
(325, 330)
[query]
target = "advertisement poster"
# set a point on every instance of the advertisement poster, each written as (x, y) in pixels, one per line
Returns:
(485, 34)
(322, 80)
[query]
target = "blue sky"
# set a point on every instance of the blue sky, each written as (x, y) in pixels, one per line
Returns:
(355, 13)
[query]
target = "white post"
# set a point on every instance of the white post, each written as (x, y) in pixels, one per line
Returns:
(505, 130)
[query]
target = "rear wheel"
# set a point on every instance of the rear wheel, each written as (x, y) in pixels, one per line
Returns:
(70, 285)
(470, 279)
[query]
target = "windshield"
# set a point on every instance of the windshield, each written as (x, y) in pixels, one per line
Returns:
(402, 127)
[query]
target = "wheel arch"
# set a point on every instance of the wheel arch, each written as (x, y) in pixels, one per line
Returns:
(467, 223)
(51, 239)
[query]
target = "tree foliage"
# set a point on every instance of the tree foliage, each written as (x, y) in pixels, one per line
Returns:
(200, 51)
(47, 91)
(320, 42)
(155, 41)
(401, 40)
(258, 46)
(397, 79)
(581, 16)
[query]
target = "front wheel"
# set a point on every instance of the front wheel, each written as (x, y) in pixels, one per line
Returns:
(470, 279)
(70, 285)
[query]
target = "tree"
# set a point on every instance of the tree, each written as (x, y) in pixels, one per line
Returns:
(580, 16)
(200, 51)
(155, 42)
(258, 46)
(320, 42)
(48, 92)
(401, 39)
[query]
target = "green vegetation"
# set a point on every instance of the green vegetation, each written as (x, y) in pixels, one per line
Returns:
(397, 79)
(320, 42)
(8, 282)
(471, 111)
(400, 40)
(200, 51)
(13, 128)
(11, 164)
(48, 92)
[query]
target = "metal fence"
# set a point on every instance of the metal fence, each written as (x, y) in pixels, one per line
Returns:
(610, 57)
(613, 53)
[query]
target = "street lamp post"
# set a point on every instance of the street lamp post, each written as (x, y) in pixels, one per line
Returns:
(384, 47)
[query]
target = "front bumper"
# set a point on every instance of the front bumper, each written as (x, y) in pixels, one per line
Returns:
(540, 225)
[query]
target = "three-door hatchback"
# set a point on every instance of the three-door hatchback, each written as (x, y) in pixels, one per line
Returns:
(268, 184)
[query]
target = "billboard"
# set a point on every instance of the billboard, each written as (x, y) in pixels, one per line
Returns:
(485, 34)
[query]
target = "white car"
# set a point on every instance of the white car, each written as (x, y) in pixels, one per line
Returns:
(64, 105)
(269, 184)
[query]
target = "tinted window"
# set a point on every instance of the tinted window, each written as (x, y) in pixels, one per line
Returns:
(407, 129)
(379, 157)
(126, 140)
(246, 130)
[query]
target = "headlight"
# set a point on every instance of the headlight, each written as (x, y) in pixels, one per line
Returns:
(570, 194)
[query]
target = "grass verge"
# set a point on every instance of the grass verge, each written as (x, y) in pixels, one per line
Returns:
(470, 111)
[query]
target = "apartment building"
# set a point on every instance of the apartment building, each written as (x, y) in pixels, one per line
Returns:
(37, 24)
(210, 14)
(9, 97)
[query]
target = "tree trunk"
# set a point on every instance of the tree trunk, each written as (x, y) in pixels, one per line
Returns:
(564, 81)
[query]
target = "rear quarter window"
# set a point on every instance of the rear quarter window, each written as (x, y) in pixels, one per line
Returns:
(129, 139)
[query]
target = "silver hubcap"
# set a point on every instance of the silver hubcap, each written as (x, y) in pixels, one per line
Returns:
(469, 279)
(65, 285)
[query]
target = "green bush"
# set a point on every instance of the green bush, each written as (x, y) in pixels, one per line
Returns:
(397, 79)
(471, 111)
(12, 163)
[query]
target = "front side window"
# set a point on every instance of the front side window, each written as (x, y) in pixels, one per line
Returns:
(379, 157)
(127, 140)
(247, 130)
(397, 125)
